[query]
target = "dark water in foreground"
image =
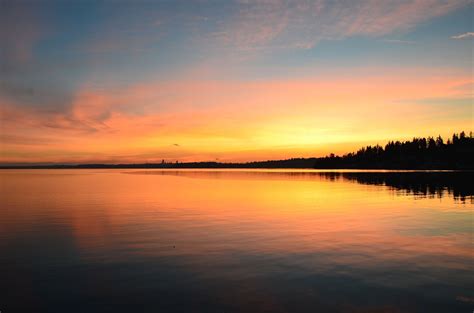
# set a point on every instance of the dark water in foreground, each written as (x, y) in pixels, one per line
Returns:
(235, 241)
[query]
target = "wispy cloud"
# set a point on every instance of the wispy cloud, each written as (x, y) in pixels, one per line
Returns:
(463, 36)
(399, 41)
(267, 24)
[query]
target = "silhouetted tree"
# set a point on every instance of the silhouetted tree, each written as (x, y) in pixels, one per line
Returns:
(419, 153)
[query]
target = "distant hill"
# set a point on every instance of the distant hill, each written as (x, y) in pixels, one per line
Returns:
(419, 153)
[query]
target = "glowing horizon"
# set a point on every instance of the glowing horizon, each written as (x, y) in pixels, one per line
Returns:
(231, 82)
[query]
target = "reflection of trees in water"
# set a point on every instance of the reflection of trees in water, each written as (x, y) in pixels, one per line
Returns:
(425, 184)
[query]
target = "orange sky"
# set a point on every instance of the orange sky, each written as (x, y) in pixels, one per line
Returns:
(234, 93)
(232, 120)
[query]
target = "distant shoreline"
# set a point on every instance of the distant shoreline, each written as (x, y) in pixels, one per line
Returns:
(418, 154)
(266, 165)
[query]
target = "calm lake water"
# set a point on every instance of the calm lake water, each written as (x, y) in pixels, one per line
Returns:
(235, 241)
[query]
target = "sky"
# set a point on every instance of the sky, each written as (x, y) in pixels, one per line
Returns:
(143, 81)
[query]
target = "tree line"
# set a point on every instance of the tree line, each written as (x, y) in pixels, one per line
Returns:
(456, 152)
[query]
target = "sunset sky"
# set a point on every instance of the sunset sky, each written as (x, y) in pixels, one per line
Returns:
(142, 81)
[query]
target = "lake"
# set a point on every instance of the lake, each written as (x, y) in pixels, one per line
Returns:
(236, 241)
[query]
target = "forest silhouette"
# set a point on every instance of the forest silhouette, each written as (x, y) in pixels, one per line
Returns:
(419, 153)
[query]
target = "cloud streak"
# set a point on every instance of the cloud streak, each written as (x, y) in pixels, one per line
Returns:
(399, 41)
(463, 36)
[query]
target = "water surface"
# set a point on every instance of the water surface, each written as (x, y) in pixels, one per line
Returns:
(235, 241)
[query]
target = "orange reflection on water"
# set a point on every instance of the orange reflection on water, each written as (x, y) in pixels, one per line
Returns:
(264, 212)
